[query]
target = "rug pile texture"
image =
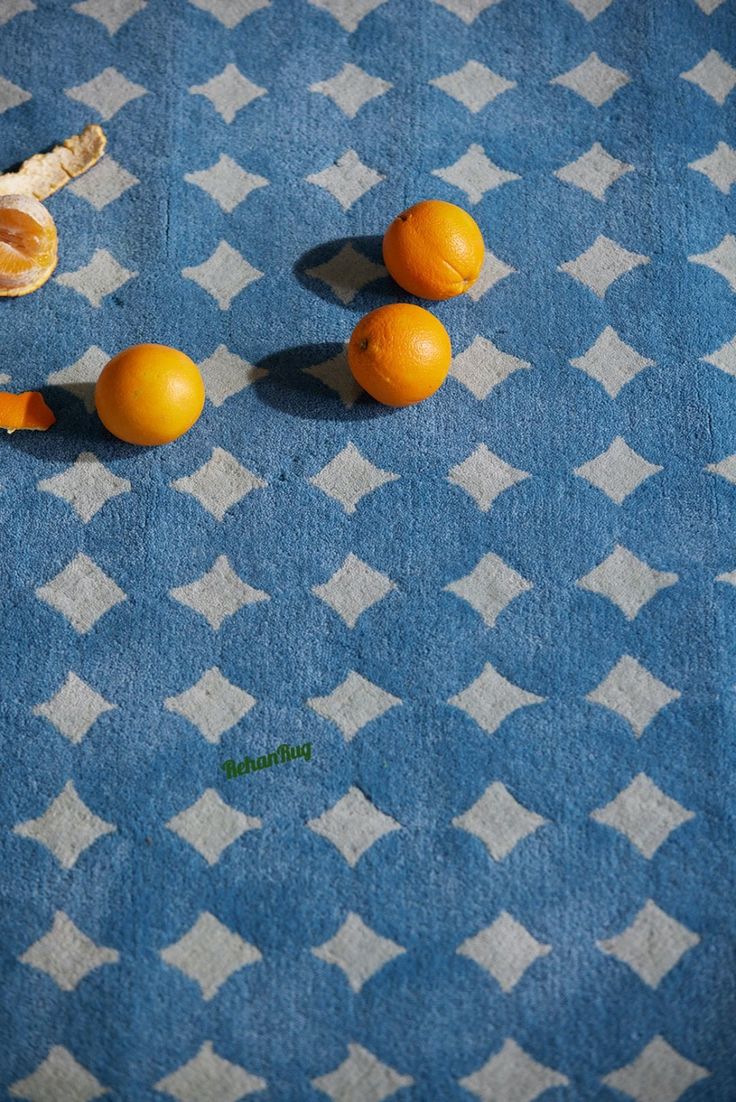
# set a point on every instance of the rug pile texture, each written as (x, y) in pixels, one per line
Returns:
(488, 641)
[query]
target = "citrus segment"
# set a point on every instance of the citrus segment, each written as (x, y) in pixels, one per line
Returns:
(400, 354)
(28, 244)
(434, 249)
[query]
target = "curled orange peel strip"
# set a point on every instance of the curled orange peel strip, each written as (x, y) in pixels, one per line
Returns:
(44, 173)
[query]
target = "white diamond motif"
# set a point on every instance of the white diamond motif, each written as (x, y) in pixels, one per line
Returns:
(80, 377)
(358, 951)
(112, 14)
(347, 273)
(226, 374)
(67, 827)
(223, 275)
(107, 93)
(348, 13)
(351, 88)
(58, 1076)
(594, 172)
(226, 182)
(353, 704)
(483, 366)
(11, 8)
(490, 587)
(74, 708)
(626, 581)
(492, 271)
(213, 705)
(207, 1075)
(709, 6)
(590, 9)
(602, 264)
(652, 945)
(87, 485)
(219, 483)
(11, 95)
(475, 174)
(104, 183)
(617, 471)
(721, 259)
(499, 820)
(467, 10)
(611, 362)
(505, 949)
(361, 1076)
(347, 180)
(726, 468)
(230, 12)
(633, 693)
(229, 92)
(349, 477)
(484, 476)
(82, 593)
(474, 85)
(714, 76)
(512, 1076)
(209, 954)
(595, 81)
(353, 589)
(724, 357)
(218, 594)
(353, 825)
(210, 825)
(66, 954)
(659, 1074)
(98, 279)
(643, 814)
(336, 375)
(490, 699)
(719, 166)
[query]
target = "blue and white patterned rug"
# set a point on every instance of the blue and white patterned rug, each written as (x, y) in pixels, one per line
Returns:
(499, 626)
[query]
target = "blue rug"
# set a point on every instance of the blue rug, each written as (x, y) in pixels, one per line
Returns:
(351, 753)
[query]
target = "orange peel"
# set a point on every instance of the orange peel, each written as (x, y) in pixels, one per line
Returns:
(25, 411)
(44, 173)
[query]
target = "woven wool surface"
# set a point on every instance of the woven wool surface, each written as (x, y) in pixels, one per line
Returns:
(498, 625)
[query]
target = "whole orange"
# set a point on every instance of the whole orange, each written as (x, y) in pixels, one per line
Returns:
(149, 394)
(400, 354)
(434, 249)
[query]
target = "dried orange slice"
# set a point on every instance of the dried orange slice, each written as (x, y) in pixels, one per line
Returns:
(28, 244)
(24, 411)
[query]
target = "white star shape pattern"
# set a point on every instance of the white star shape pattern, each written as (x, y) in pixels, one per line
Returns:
(229, 92)
(347, 180)
(475, 174)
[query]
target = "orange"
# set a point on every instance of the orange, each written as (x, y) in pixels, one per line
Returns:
(400, 354)
(434, 249)
(28, 244)
(149, 394)
(24, 411)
